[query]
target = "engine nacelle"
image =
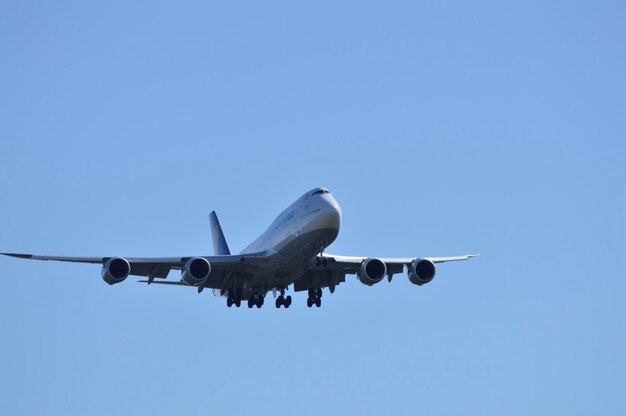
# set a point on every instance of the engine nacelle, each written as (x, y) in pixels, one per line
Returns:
(422, 271)
(372, 271)
(115, 270)
(196, 271)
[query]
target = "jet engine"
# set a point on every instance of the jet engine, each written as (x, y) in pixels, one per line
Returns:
(196, 271)
(372, 271)
(421, 271)
(115, 270)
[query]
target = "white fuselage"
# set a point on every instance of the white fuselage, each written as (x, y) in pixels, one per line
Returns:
(300, 232)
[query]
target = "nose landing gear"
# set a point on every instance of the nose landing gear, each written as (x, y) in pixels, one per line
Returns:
(321, 261)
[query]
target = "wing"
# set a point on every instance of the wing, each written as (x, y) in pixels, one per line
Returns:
(223, 267)
(348, 261)
(337, 267)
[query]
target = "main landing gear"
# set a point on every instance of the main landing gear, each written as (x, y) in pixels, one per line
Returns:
(315, 297)
(283, 300)
(234, 298)
(255, 300)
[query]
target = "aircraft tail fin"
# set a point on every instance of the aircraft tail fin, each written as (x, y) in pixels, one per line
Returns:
(220, 247)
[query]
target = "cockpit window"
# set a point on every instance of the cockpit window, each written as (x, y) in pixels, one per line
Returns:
(320, 191)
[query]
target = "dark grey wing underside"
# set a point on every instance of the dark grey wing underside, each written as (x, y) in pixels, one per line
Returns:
(319, 278)
(217, 279)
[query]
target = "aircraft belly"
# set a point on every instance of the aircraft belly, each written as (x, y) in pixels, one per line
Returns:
(303, 246)
(292, 253)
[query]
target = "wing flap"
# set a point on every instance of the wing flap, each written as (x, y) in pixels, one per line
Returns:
(158, 271)
(321, 278)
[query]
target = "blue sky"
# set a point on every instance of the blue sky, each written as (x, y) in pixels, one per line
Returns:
(441, 129)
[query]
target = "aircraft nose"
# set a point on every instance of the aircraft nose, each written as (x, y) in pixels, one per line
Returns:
(332, 213)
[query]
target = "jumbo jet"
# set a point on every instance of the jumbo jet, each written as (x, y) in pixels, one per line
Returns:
(289, 252)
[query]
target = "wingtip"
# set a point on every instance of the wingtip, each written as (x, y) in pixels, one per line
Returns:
(18, 255)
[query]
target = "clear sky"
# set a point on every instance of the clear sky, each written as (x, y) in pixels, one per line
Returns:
(441, 129)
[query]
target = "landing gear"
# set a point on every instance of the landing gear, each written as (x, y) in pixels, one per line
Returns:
(234, 298)
(321, 261)
(283, 301)
(315, 297)
(255, 300)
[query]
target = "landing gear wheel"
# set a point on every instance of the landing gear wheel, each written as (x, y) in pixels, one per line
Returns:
(318, 302)
(259, 301)
(309, 302)
(251, 302)
(238, 293)
(319, 292)
(280, 301)
(229, 302)
(287, 302)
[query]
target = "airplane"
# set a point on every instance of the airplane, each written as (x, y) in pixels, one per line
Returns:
(290, 252)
